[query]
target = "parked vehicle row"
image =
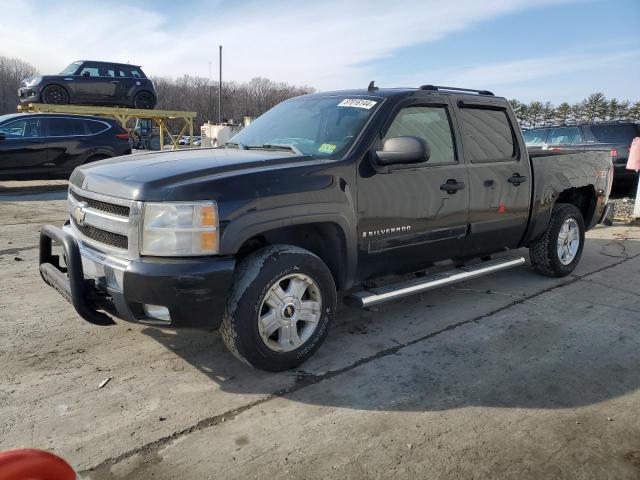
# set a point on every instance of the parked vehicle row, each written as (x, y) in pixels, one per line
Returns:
(89, 82)
(320, 194)
(43, 145)
(614, 137)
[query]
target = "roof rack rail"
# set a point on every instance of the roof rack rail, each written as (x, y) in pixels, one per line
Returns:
(455, 89)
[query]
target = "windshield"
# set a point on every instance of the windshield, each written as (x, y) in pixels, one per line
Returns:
(320, 126)
(71, 69)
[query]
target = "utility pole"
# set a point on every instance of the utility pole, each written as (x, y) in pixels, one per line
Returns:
(220, 88)
(210, 93)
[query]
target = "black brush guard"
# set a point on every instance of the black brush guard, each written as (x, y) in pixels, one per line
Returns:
(70, 281)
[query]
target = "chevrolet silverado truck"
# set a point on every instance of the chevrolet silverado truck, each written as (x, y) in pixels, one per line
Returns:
(321, 194)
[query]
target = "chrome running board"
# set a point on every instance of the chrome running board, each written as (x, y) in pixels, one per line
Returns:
(378, 295)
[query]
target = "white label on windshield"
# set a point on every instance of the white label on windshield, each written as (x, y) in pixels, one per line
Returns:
(357, 103)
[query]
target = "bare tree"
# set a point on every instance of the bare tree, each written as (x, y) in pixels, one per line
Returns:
(12, 72)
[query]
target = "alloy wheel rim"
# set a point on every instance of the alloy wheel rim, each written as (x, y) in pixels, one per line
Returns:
(144, 101)
(290, 312)
(55, 96)
(568, 241)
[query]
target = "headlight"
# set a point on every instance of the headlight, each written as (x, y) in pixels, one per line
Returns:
(30, 82)
(180, 229)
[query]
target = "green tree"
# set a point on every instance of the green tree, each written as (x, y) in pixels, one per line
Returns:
(563, 113)
(534, 116)
(548, 113)
(595, 107)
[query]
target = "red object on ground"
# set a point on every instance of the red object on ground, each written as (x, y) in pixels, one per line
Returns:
(633, 163)
(31, 464)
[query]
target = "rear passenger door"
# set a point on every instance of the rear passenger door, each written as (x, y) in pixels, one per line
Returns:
(67, 144)
(499, 176)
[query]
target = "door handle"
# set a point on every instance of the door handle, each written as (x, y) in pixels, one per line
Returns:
(115, 81)
(452, 186)
(517, 179)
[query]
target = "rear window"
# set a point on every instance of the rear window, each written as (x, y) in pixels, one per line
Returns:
(487, 135)
(615, 133)
(93, 126)
(133, 72)
(535, 137)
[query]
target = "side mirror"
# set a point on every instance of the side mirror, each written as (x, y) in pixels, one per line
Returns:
(403, 150)
(86, 74)
(2, 136)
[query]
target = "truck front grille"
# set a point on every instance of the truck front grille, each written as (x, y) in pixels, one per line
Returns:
(112, 208)
(107, 223)
(102, 236)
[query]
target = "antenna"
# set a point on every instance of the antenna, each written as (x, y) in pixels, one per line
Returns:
(372, 86)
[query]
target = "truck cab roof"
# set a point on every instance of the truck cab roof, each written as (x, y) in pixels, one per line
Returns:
(389, 92)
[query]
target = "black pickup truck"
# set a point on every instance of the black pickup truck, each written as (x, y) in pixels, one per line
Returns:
(319, 195)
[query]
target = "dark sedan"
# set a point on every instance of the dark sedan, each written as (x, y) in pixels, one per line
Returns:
(88, 82)
(42, 145)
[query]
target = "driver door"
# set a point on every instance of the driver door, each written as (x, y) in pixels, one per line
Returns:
(408, 217)
(23, 152)
(96, 82)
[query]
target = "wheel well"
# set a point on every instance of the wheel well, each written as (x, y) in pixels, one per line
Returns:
(584, 198)
(326, 240)
(58, 85)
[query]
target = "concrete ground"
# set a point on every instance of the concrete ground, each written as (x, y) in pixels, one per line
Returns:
(509, 376)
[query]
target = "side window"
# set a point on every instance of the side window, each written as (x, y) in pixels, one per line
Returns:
(430, 123)
(64, 127)
(93, 127)
(487, 135)
(130, 72)
(565, 136)
(535, 137)
(27, 128)
(90, 69)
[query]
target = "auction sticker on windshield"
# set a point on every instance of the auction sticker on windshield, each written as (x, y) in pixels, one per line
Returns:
(357, 103)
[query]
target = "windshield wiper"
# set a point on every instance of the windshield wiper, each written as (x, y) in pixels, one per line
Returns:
(237, 145)
(276, 146)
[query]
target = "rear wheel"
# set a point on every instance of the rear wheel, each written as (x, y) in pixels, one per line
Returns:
(279, 309)
(144, 100)
(558, 251)
(55, 94)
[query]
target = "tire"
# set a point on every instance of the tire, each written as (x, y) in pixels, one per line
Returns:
(55, 95)
(258, 328)
(545, 253)
(144, 100)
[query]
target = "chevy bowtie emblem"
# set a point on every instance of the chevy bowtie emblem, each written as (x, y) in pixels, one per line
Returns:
(79, 213)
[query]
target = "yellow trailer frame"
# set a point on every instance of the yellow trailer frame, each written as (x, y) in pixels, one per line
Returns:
(123, 115)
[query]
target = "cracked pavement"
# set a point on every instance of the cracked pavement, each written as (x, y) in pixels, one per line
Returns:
(512, 375)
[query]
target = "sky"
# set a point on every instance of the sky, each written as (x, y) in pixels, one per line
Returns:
(549, 50)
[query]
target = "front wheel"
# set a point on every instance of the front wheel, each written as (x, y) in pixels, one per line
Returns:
(281, 303)
(55, 94)
(558, 251)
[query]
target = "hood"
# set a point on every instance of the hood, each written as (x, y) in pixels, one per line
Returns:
(165, 175)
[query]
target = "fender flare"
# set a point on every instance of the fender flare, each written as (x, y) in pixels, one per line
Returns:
(255, 223)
